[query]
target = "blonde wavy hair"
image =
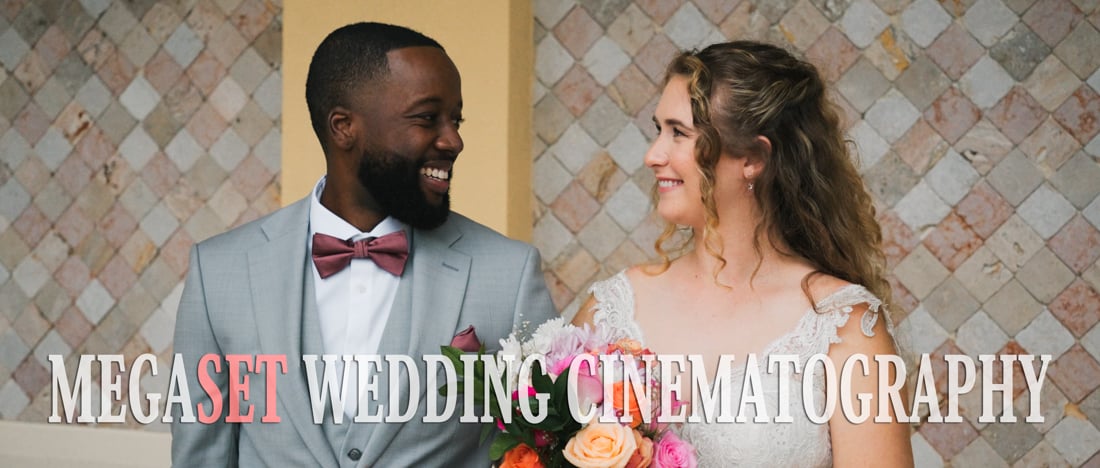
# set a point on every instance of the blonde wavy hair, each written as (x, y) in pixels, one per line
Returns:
(810, 195)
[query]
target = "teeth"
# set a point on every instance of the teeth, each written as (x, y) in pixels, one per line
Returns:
(436, 173)
(668, 183)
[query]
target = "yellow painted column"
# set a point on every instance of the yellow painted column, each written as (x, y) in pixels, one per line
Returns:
(490, 43)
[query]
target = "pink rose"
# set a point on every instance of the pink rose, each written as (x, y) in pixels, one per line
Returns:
(589, 391)
(672, 452)
(589, 386)
(466, 340)
(530, 393)
(561, 365)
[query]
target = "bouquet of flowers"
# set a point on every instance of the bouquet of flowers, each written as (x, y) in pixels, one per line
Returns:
(572, 371)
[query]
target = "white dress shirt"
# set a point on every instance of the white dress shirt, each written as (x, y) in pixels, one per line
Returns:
(354, 304)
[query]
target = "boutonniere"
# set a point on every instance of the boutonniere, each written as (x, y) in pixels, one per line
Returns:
(467, 340)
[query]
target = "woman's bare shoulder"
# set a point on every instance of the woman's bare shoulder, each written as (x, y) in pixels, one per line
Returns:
(822, 286)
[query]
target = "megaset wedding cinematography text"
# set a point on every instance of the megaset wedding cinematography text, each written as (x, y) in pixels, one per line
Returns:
(226, 384)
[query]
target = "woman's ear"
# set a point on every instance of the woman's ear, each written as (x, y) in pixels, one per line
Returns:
(341, 128)
(756, 160)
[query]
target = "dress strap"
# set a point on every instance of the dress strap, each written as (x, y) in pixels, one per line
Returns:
(615, 306)
(843, 302)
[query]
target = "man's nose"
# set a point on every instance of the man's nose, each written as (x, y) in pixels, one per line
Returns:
(449, 140)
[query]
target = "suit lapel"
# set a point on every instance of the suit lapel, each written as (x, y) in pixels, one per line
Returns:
(433, 291)
(438, 290)
(279, 296)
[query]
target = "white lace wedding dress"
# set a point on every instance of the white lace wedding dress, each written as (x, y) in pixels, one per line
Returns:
(799, 443)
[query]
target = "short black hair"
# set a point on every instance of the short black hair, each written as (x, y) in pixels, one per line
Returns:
(350, 57)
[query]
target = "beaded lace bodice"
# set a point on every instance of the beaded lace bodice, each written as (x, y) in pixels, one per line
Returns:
(798, 443)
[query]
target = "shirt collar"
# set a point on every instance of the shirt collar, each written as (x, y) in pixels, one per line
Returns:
(324, 221)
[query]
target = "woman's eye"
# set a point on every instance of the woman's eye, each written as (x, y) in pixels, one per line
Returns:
(677, 133)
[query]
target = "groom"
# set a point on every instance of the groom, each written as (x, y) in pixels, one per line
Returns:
(371, 262)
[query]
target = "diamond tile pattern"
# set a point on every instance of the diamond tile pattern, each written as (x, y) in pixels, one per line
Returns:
(972, 119)
(127, 135)
(125, 129)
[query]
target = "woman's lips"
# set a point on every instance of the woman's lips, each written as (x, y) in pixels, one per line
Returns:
(666, 185)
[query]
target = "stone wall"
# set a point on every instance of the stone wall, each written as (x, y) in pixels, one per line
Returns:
(976, 124)
(128, 131)
(131, 129)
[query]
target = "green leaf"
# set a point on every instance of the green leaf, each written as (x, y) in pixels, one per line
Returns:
(527, 438)
(454, 354)
(501, 445)
(541, 382)
(479, 392)
(554, 457)
(560, 394)
(486, 431)
(549, 424)
(479, 370)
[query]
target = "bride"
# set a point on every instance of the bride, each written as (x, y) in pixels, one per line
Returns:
(786, 256)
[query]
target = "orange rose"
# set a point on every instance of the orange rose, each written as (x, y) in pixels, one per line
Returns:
(521, 456)
(631, 403)
(601, 445)
(643, 456)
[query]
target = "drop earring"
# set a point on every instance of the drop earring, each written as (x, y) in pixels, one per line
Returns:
(750, 186)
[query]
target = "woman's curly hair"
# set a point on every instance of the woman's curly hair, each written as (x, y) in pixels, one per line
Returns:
(810, 194)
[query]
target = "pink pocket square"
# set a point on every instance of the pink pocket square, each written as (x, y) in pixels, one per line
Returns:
(466, 340)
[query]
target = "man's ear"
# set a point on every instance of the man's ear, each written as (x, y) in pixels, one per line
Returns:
(756, 160)
(341, 128)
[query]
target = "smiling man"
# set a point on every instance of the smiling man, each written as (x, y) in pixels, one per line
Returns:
(371, 262)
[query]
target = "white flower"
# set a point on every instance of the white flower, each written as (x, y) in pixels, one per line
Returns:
(544, 337)
(511, 347)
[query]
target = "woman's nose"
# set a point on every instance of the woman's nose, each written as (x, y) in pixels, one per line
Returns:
(655, 156)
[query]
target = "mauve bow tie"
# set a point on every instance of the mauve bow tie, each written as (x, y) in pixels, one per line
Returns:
(332, 254)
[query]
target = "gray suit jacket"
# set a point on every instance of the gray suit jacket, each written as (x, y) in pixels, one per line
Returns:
(249, 291)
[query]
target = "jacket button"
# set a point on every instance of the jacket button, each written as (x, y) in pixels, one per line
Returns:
(355, 454)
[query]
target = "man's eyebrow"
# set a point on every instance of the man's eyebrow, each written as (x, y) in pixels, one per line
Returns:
(425, 100)
(428, 100)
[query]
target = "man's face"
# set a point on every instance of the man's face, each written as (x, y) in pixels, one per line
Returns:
(410, 135)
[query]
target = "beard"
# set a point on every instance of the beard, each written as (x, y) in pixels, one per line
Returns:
(394, 182)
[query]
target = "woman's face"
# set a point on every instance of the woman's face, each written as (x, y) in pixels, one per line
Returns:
(672, 156)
